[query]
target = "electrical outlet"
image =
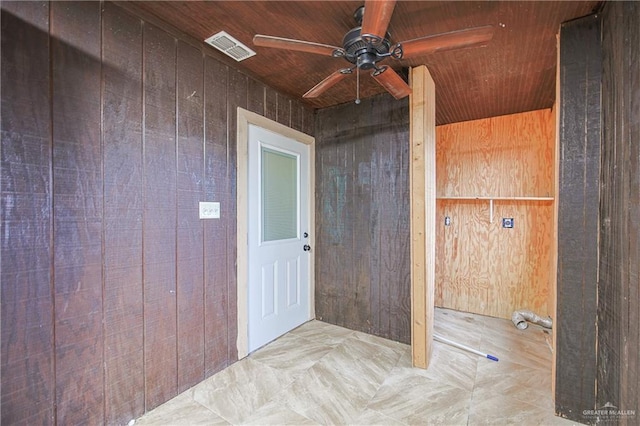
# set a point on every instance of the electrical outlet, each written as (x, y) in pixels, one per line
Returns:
(447, 221)
(209, 210)
(507, 222)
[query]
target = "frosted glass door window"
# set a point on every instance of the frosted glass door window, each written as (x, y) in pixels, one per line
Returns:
(279, 195)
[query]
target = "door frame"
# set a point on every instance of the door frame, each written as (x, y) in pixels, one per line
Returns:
(246, 118)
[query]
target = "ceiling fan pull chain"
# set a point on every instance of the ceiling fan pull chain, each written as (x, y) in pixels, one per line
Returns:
(357, 85)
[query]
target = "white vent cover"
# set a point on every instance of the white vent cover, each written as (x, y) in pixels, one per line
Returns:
(230, 46)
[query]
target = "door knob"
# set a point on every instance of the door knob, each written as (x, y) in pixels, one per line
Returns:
(306, 247)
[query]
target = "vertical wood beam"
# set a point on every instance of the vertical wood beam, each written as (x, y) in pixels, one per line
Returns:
(423, 213)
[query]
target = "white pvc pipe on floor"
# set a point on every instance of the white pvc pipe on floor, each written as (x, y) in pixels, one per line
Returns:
(463, 347)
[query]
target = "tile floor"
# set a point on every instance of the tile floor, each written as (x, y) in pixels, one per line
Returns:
(324, 374)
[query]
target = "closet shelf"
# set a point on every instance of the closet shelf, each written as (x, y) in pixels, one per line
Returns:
(494, 198)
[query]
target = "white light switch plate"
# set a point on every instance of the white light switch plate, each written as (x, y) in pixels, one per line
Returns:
(209, 210)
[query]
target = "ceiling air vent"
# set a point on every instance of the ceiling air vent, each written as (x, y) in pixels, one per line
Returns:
(230, 46)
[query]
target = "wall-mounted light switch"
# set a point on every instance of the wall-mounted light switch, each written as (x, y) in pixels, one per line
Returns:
(447, 221)
(209, 210)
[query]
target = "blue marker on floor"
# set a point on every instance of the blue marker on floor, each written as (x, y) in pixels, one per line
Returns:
(464, 347)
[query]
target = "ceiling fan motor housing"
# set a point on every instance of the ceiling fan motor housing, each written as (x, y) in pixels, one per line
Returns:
(363, 54)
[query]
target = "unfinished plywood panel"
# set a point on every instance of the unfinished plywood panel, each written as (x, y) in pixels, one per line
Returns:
(423, 212)
(506, 156)
(484, 268)
(488, 170)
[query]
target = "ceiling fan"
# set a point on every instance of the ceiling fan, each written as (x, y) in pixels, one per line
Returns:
(369, 43)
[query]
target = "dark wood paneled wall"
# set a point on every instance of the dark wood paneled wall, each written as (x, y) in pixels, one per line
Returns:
(115, 296)
(578, 198)
(619, 286)
(362, 219)
(598, 356)
(28, 391)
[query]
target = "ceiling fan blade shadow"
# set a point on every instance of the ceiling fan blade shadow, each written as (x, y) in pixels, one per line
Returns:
(377, 14)
(328, 82)
(390, 80)
(297, 45)
(446, 41)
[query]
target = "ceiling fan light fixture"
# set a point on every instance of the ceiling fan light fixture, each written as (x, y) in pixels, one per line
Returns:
(369, 43)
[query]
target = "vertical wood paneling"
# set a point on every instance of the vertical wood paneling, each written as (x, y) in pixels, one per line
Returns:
(578, 198)
(283, 114)
(77, 169)
(256, 96)
(123, 212)
(217, 336)
(100, 185)
(190, 268)
(27, 329)
(362, 227)
(271, 104)
(618, 378)
(159, 220)
(237, 97)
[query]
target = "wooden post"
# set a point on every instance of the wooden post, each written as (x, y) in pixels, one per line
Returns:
(423, 213)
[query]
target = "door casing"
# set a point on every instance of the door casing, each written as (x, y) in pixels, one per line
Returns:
(245, 118)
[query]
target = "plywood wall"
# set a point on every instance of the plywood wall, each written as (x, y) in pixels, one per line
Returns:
(487, 170)
(115, 296)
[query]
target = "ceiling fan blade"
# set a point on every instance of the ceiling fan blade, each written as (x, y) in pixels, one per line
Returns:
(297, 45)
(446, 41)
(328, 82)
(390, 80)
(377, 14)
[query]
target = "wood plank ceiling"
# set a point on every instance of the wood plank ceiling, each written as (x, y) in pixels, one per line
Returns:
(514, 72)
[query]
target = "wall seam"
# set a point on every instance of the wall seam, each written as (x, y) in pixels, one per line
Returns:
(52, 267)
(177, 214)
(143, 129)
(103, 233)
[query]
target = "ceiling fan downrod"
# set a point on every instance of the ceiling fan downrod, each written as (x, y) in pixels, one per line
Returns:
(357, 85)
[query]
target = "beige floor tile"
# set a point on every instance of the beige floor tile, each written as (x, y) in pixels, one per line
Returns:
(277, 414)
(458, 326)
(181, 410)
(324, 374)
(501, 409)
(396, 346)
(515, 381)
(520, 349)
(239, 390)
(291, 353)
(448, 365)
(324, 397)
(374, 418)
(413, 399)
(322, 332)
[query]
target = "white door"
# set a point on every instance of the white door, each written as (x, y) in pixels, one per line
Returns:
(278, 236)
